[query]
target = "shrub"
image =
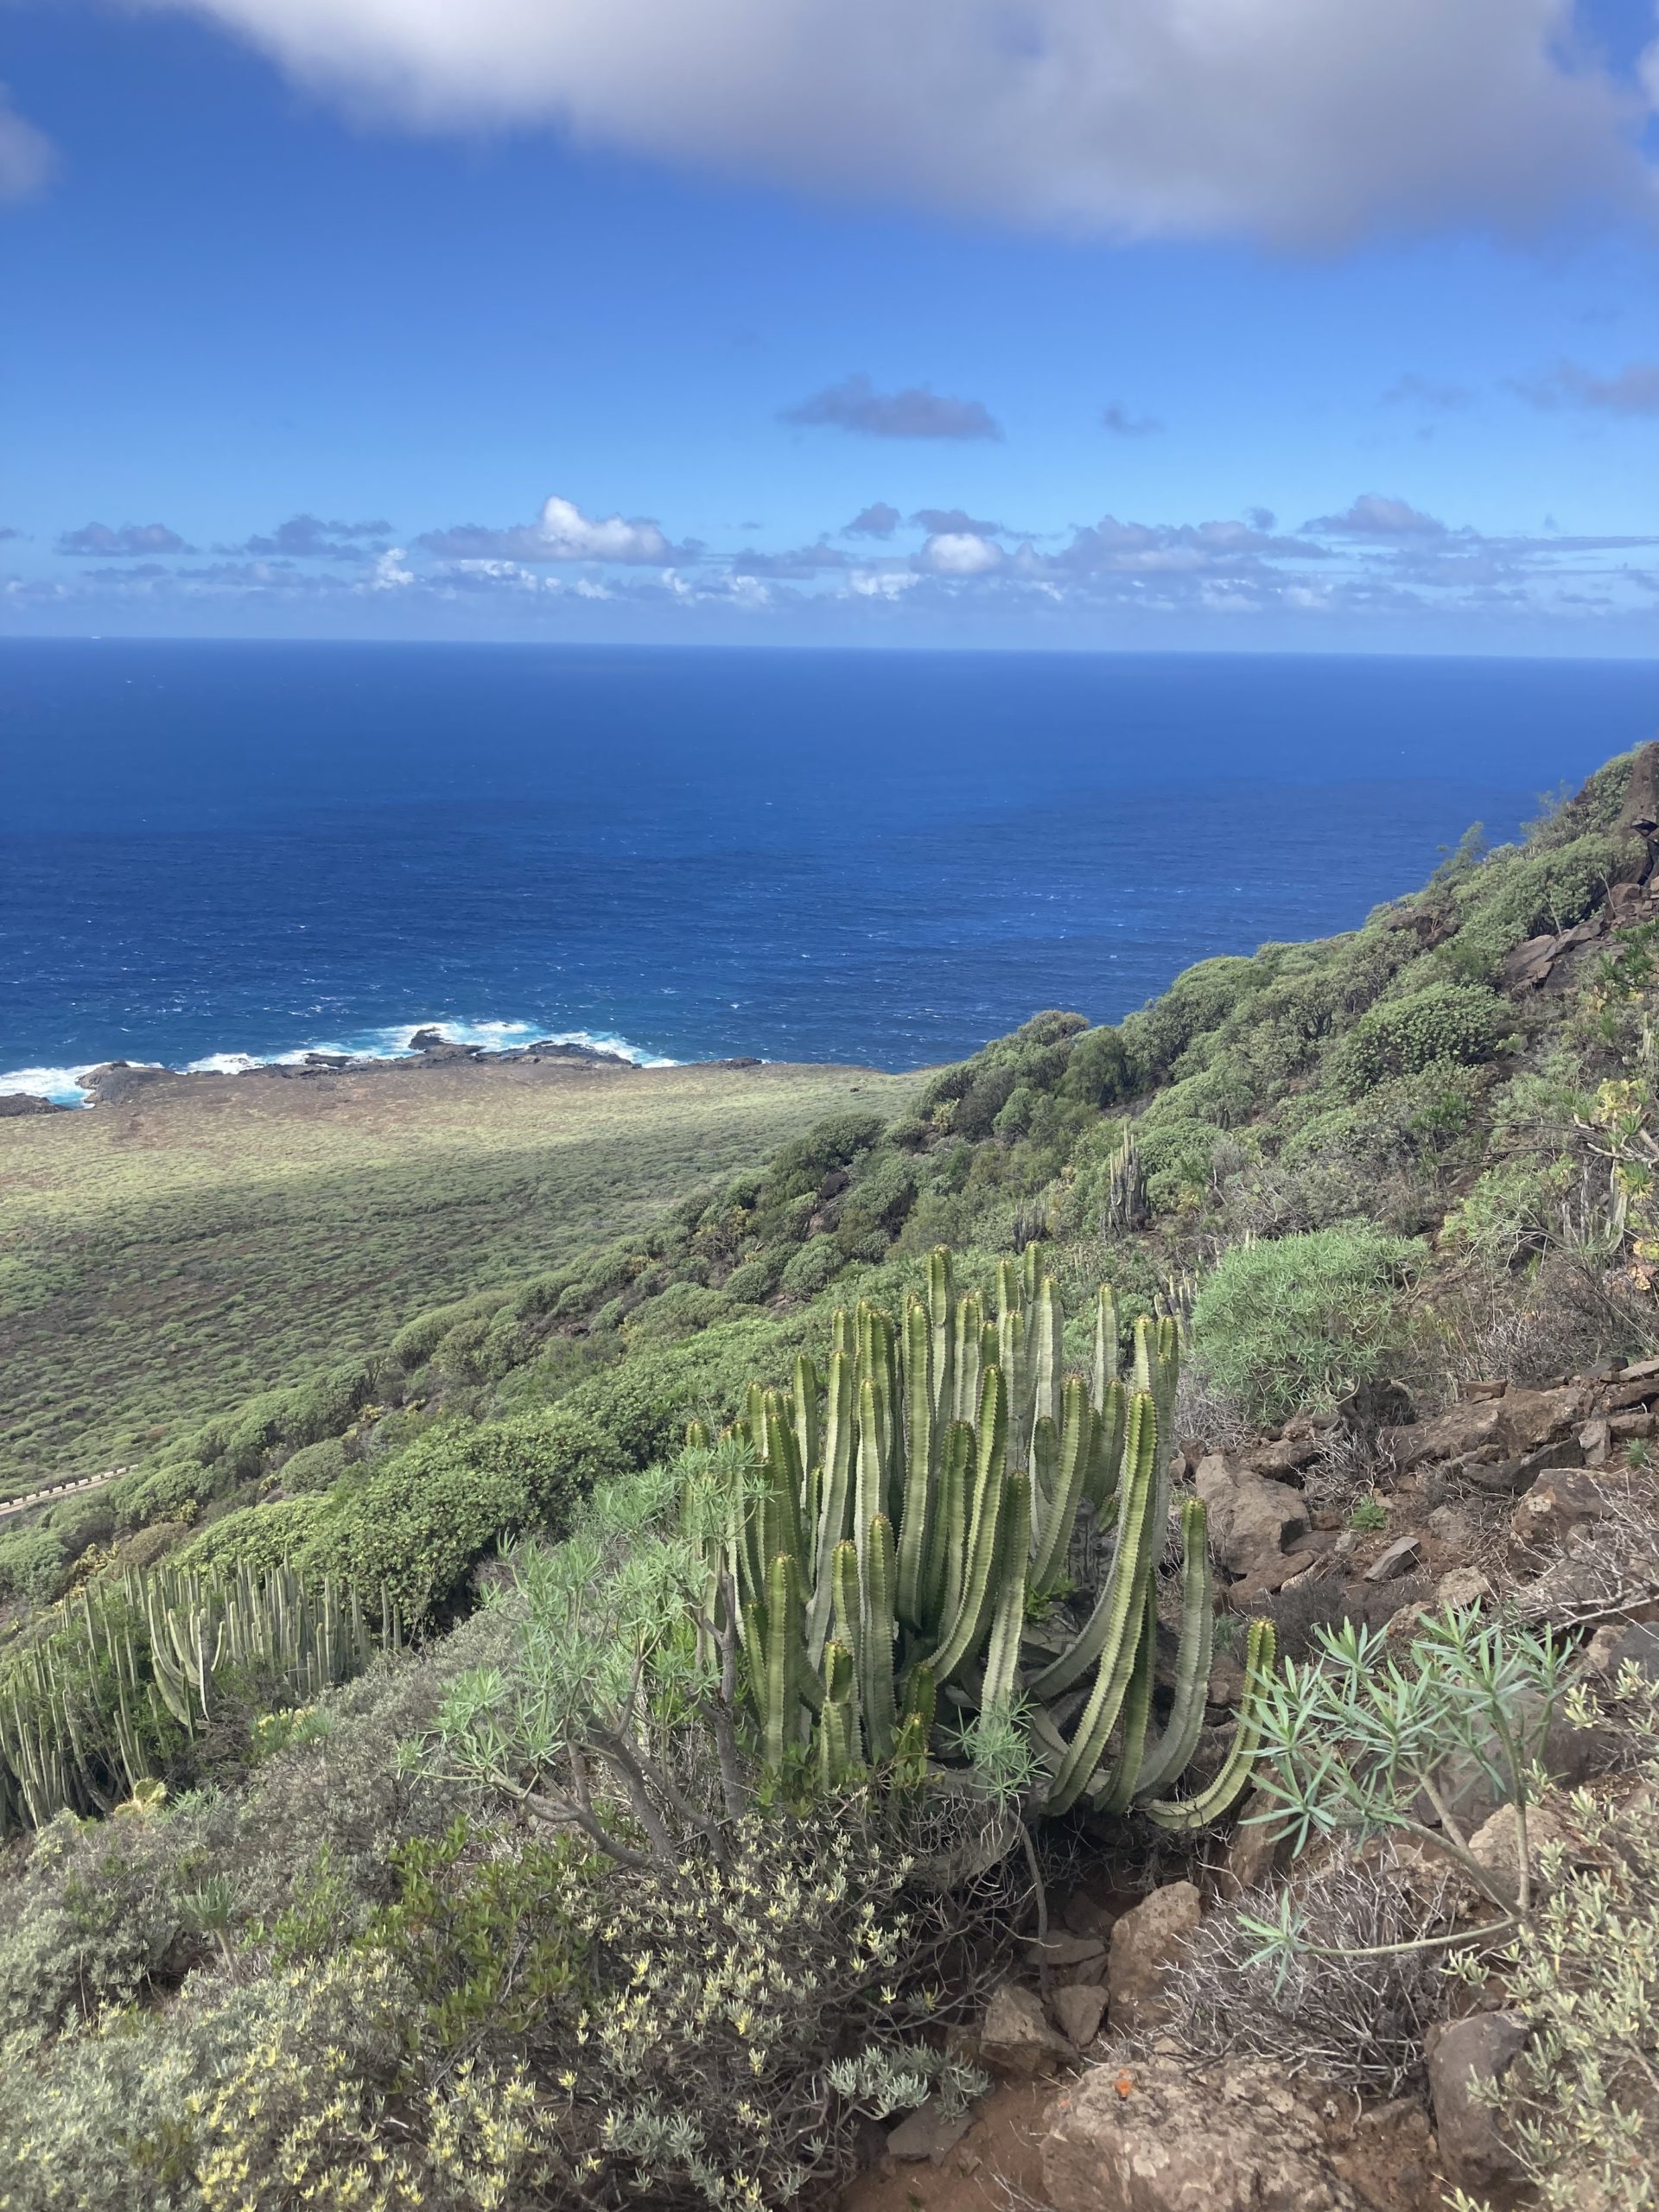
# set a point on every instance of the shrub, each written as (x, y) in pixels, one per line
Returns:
(753, 1282)
(1177, 1154)
(415, 1343)
(1302, 1320)
(680, 1310)
(421, 1522)
(1354, 2022)
(33, 1563)
(798, 1169)
(812, 1269)
(1582, 2100)
(1460, 1022)
(260, 1537)
(315, 1466)
(1098, 1072)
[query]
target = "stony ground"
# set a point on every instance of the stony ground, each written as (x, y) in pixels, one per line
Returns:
(1523, 1498)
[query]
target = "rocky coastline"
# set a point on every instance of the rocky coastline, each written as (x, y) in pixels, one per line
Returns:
(120, 1081)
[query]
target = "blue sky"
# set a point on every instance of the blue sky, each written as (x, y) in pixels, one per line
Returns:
(1303, 324)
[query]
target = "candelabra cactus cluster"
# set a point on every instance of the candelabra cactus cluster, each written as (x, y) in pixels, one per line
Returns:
(136, 1667)
(911, 1526)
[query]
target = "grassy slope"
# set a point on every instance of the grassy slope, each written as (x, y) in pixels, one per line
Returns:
(175, 1254)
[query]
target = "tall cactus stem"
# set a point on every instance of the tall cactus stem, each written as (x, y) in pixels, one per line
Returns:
(1078, 1421)
(918, 1461)
(1105, 1372)
(834, 1513)
(807, 1390)
(880, 1628)
(1047, 1351)
(1007, 1622)
(1133, 1502)
(1119, 1793)
(1185, 1814)
(1168, 1760)
(967, 1631)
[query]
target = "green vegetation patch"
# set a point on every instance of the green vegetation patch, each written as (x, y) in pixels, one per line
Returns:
(163, 1260)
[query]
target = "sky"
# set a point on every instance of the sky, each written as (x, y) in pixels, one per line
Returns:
(1303, 324)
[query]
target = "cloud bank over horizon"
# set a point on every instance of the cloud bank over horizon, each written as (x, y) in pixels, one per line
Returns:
(1380, 561)
(1278, 120)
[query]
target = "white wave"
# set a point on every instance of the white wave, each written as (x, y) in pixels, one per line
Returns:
(63, 1084)
(67, 1085)
(603, 1041)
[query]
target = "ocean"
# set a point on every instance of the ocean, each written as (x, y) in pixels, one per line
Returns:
(215, 854)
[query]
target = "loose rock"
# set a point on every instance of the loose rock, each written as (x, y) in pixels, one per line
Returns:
(1401, 1557)
(1162, 2138)
(929, 2133)
(1147, 1944)
(1016, 2039)
(1557, 1504)
(1078, 2011)
(1251, 1520)
(1460, 2055)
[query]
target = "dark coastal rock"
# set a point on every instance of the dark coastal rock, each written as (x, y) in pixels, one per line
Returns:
(427, 1040)
(114, 1080)
(547, 1048)
(16, 1105)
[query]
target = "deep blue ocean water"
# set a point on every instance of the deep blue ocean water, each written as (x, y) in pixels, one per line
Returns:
(221, 849)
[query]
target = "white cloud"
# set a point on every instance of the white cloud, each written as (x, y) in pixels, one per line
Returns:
(960, 553)
(1373, 516)
(27, 156)
(390, 571)
(1298, 120)
(563, 533)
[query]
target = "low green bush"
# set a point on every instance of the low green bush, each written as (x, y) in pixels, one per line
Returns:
(315, 1466)
(1459, 1022)
(1301, 1320)
(33, 1563)
(419, 1524)
(753, 1282)
(812, 1269)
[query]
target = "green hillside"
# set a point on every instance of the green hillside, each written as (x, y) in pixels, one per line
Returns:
(161, 1258)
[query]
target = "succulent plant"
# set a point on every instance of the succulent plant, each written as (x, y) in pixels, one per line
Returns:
(134, 1665)
(916, 1505)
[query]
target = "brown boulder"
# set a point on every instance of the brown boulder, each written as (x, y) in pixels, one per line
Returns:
(1557, 1504)
(1461, 1428)
(1252, 1520)
(1016, 2038)
(1287, 1457)
(1164, 2137)
(1078, 2009)
(1259, 1846)
(1462, 2057)
(1148, 1943)
(1403, 1557)
(928, 2132)
(1530, 1418)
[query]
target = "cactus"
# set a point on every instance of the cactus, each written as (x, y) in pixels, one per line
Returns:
(133, 1666)
(920, 1500)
